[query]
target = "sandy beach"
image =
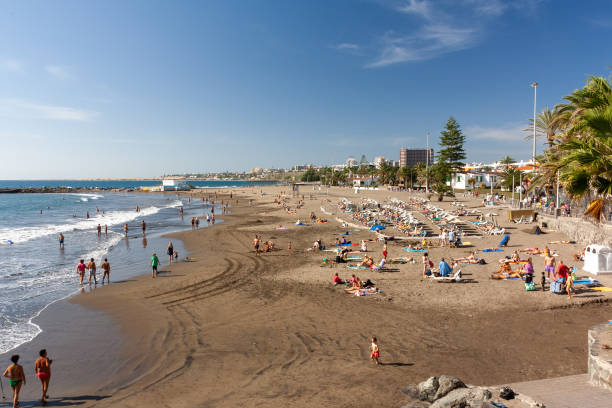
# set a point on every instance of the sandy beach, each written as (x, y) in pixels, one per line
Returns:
(230, 328)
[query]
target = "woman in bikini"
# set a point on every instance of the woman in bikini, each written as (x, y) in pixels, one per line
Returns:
(43, 372)
(16, 378)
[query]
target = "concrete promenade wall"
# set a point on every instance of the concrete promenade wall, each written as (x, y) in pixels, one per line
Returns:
(600, 369)
(579, 230)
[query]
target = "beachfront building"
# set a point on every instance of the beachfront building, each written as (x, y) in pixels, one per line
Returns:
(411, 157)
(172, 184)
(461, 181)
(378, 161)
(362, 181)
(351, 162)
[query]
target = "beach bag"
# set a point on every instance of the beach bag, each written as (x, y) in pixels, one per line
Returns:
(482, 262)
(529, 286)
(556, 287)
(507, 393)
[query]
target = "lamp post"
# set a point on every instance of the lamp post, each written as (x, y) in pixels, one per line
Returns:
(533, 156)
(427, 166)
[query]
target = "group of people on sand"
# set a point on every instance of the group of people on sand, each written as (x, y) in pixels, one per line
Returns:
(16, 375)
(354, 284)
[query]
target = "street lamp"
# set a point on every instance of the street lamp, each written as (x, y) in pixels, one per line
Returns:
(535, 91)
(427, 166)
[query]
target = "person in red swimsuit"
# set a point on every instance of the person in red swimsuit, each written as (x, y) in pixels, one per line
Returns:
(375, 354)
(43, 372)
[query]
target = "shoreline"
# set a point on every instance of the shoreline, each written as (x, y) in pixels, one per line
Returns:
(258, 330)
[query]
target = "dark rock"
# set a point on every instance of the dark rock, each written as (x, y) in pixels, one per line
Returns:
(447, 383)
(428, 389)
(411, 390)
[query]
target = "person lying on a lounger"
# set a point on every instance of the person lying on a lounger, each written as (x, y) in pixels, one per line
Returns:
(505, 272)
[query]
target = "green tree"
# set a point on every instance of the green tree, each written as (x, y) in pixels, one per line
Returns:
(451, 145)
(310, 175)
(507, 161)
(507, 178)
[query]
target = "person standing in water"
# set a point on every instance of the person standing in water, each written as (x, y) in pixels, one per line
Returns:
(43, 372)
(99, 229)
(61, 240)
(16, 378)
(106, 268)
(144, 227)
(125, 229)
(81, 270)
(92, 271)
(154, 264)
(170, 252)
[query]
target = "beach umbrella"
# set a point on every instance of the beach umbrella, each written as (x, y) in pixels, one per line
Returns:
(377, 227)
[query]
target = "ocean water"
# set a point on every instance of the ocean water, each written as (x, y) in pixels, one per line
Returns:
(34, 271)
(126, 184)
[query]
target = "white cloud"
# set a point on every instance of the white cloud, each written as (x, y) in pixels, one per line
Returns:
(17, 108)
(59, 72)
(508, 133)
(421, 8)
(11, 65)
(431, 41)
(347, 46)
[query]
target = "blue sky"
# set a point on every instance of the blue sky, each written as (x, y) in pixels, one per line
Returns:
(143, 88)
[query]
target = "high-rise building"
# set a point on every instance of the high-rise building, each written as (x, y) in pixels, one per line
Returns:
(412, 157)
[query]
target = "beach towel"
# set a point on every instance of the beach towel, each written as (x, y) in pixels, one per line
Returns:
(492, 250)
(585, 282)
(353, 258)
(357, 267)
(414, 250)
(367, 292)
(346, 233)
(347, 244)
(602, 289)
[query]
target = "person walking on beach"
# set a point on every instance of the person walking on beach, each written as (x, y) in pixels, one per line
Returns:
(192, 223)
(81, 270)
(106, 268)
(256, 244)
(375, 351)
(170, 252)
(549, 265)
(60, 238)
(154, 264)
(99, 230)
(43, 372)
(16, 378)
(197, 222)
(91, 266)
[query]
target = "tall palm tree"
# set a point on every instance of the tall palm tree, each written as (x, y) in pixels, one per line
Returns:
(507, 161)
(548, 123)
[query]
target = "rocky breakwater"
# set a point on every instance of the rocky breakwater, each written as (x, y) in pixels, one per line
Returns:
(450, 392)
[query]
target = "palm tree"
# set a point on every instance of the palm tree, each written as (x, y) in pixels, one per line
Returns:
(548, 123)
(472, 182)
(581, 155)
(507, 161)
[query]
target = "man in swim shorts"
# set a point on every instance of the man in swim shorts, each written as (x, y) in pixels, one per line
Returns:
(61, 240)
(256, 244)
(16, 378)
(106, 268)
(43, 372)
(375, 351)
(81, 270)
(154, 264)
(91, 266)
(549, 265)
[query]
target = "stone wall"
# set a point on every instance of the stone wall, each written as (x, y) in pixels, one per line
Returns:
(600, 369)
(579, 230)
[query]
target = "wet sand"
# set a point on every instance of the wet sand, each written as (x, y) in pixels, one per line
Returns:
(231, 328)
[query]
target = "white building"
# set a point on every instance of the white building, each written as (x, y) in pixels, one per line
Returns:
(461, 181)
(363, 181)
(378, 161)
(351, 162)
(173, 184)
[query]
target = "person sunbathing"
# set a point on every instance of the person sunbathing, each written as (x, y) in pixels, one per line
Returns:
(562, 242)
(357, 285)
(505, 272)
(535, 249)
(367, 261)
(469, 259)
(516, 257)
(579, 256)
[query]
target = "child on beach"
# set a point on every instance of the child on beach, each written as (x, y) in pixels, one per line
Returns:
(154, 264)
(543, 281)
(16, 378)
(569, 285)
(375, 351)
